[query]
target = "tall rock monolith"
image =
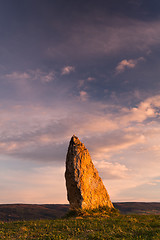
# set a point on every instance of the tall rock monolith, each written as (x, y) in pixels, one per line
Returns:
(85, 189)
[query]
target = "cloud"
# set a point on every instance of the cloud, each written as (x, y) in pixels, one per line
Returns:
(152, 183)
(81, 83)
(46, 134)
(25, 86)
(67, 70)
(142, 192)
(40, 152)
(106, 146)
(90, 79)
(107, 37)
(147, 109)
(49, 77)
(31, 75)
(108, 131)
(122, 141)
(18, 76)
(44, 77)
(83, 96)
(124, 64)
(108, 170)
(136, 2)
(48, 130)
(33, 184)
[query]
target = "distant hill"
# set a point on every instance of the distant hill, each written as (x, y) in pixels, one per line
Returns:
(138, 207)
(15, 212)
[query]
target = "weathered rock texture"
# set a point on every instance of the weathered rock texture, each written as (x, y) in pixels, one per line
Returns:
(85, 189)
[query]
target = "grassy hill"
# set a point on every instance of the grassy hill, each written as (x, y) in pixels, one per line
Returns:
(14, 212)
(13, 224)
(132, 227)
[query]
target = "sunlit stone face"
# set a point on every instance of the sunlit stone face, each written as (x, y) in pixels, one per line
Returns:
(85, 188)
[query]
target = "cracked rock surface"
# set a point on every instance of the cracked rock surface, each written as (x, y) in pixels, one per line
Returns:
(85, 189)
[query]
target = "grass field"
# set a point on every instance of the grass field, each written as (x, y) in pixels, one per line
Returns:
(115, 227)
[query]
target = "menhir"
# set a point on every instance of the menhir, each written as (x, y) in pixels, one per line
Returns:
(85, 189)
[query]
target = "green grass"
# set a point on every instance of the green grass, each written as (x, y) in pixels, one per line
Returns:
(94, 213)
(115, 227)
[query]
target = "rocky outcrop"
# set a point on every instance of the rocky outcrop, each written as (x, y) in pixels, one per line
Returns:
(85, 189)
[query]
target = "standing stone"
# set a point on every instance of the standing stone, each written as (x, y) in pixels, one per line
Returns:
(85, 189)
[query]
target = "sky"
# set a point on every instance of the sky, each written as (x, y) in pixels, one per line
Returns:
(89, 68)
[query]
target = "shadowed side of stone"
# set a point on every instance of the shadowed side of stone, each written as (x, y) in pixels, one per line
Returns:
(85, 189)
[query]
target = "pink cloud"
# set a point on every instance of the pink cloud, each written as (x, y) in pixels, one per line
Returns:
(83, 96)
(67, 70)
(110, 132)
(109, 170)
(17, 76)
(90, 79)
(124, 64)
(36, 74)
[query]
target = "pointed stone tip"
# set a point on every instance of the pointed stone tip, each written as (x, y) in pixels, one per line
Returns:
(74, 136)
(75, 139)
